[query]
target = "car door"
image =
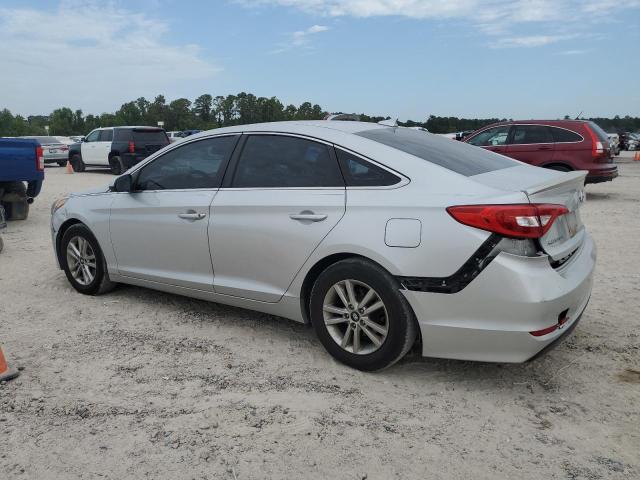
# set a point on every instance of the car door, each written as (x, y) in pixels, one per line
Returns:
(103, 147)
(532, 144)
(159, 231)
(88, 147)
(494, 139)
(282, 196)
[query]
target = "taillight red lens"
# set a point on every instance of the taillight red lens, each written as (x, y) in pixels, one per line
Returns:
(132, 147)
(39, 159)
(597, 148)
(515, 221)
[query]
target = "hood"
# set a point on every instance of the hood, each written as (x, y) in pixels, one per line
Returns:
(91, 191)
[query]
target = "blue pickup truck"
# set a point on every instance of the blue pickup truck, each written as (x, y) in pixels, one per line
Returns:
(21, 176)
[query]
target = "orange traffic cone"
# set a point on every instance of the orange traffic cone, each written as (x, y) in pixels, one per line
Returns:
(6, 372)
(636, 157)
(69, 167)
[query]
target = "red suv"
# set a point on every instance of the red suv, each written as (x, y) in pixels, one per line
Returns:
(563, 145)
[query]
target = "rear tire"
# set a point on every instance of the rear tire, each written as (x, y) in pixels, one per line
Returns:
(84, 263)
(117, 167)
(77, 164)
(14, 201)
(392, 324)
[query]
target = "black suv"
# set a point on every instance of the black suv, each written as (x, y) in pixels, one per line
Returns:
(118, 148)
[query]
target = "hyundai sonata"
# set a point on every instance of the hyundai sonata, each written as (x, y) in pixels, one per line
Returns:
(376, 235)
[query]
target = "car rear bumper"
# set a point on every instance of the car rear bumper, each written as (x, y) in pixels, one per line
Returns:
(491, 318)
(56, 157)
(602, 174)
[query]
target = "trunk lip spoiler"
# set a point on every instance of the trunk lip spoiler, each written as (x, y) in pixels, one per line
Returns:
(552, 184)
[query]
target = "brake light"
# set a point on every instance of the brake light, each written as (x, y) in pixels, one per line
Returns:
(132, 147)
(39, 159)
(515, 221)
(597, 148)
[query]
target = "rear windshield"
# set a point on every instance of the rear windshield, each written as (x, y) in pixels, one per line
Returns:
(150, 137)
(601, 134)
(453, 155)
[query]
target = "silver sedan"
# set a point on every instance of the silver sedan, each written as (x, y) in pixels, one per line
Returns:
(378, 236)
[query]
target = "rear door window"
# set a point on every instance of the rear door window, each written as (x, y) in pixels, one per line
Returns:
(360, 173)
(280, 161)
(530, 134)
(122, 135)
(562, 135)
(450, 154)
(197, 164)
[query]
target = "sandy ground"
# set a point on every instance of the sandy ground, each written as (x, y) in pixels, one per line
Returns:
(141, 384)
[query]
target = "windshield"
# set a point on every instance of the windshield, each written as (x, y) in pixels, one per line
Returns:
(453, 155)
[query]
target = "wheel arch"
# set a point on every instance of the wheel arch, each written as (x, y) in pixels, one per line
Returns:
(314, 272)
(558, 163)
(61, 231)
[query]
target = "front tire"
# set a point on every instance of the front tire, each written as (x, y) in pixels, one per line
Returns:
(83, 261)
(559, 168)
(62, 163)
(360, 316)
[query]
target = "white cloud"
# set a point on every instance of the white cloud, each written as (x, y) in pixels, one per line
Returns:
(89, 54)
(530, 41)
(496, 18)
(300, 38)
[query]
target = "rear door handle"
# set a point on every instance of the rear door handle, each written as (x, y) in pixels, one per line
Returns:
(544, 148)
(309, 217)
(191, 215)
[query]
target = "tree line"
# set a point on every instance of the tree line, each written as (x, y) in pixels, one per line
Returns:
(207, 112)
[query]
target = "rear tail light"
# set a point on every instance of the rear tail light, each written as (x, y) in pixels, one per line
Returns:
(64, 148)
(39, 159)
(597, 147)
(132, 147)
(514, 221)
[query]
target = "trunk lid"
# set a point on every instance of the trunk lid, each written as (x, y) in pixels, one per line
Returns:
(541, 185)
(567, 232)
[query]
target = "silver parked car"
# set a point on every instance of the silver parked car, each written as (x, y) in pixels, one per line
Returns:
(53, 149)
(376, 235)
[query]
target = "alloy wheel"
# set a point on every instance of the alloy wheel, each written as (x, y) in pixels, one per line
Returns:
(355, 317)
(81, 260)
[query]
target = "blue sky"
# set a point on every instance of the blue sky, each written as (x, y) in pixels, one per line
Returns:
(404, 58)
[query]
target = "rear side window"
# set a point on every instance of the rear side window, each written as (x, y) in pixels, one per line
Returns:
(360, 173)
(198, 164)
(277, 161)
(150, 137)
(122, 135)
(529, 134)
(560, 135)
(450, 154)
(106, 136)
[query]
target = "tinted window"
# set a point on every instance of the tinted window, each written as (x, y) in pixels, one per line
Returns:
(491, 136)
(276, 161)
(562, 135)
(150, 137)
(450, 154)
(360, 173)
(194, 165)
(93, 136)
(122, 135)
(106, 136)
(528, 134)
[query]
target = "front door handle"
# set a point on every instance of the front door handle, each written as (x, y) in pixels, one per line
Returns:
(192, 215)
(309, 217)
(545, 148)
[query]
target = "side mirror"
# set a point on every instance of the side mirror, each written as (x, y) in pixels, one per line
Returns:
(123, 184)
